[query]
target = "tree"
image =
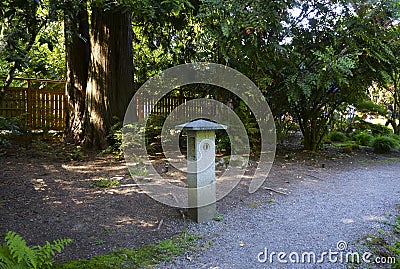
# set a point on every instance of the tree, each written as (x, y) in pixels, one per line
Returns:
(248, 36)
(318, 85)
(100, 71)
(110, 85)
(320, 74)
(77, 46)
(377, 31)
(21, 23)
(100, 89)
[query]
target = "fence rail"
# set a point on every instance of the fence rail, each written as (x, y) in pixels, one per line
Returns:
(37, 106)
(41, 104)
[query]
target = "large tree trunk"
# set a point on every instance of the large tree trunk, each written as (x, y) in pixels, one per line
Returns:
(77, 48)
(110, 84)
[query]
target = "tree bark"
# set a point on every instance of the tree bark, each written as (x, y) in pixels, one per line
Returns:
(110, 84)
(77, 48)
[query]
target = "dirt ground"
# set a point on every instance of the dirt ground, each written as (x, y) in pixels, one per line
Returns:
(44, 195)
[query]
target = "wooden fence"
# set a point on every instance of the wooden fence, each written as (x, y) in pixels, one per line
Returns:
(40, 105)
(163, 107)
(167, 105)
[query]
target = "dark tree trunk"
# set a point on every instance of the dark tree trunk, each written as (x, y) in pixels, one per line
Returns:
(110, 84)
(313, 130)
(77, 60)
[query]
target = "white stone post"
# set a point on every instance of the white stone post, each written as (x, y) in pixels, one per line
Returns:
(201, 168)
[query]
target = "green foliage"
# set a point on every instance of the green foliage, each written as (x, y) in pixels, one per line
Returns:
(222, 141)
(320, 82)
(154, 126)
(251, 125)
(14, 253)
(395, 137)
(337, 136)
(307, 67)
(7, 125)
(139, 171)
(31, 40)
(104, 183)
(132, 133)
(368, 106)
(285, 126)
(380, 130)
(374, 129)
(384, 144)
(386, 244)
(76, 154)
(144, 257)
(364, 139)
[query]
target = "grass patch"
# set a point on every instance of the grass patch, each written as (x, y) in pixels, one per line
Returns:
(218, 217)
(143, 257)
(104, 183)
(384, 246)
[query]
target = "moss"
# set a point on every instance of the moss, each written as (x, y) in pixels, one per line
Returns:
(142, 257)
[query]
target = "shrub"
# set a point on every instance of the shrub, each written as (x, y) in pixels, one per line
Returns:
(337, 137)
(364, 139)
(384, 144)
(7, 125)
(395, 137)
(133, 133)
(380, 130)
(14, 253)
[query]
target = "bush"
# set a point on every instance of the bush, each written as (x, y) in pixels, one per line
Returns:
(364, 139)
(14, 253)
(395, 137)
(384, 144)
(337, 137)
(380, 130)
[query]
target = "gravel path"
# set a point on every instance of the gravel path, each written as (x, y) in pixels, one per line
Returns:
(314, 217)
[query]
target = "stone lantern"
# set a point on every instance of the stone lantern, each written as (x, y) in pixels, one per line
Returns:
(201, 168)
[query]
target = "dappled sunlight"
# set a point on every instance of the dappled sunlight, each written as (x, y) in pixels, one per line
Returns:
(63, 182)
(39, 184)
(95, 167)
(123, 220)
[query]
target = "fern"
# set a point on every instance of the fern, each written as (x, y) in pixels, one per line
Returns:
(14, 253)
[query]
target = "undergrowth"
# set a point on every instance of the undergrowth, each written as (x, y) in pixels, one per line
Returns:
(383, 246)
(14, 253)
(143, 257)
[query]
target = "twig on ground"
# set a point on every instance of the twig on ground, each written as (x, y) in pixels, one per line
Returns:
(160, 224)
(270, 189)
